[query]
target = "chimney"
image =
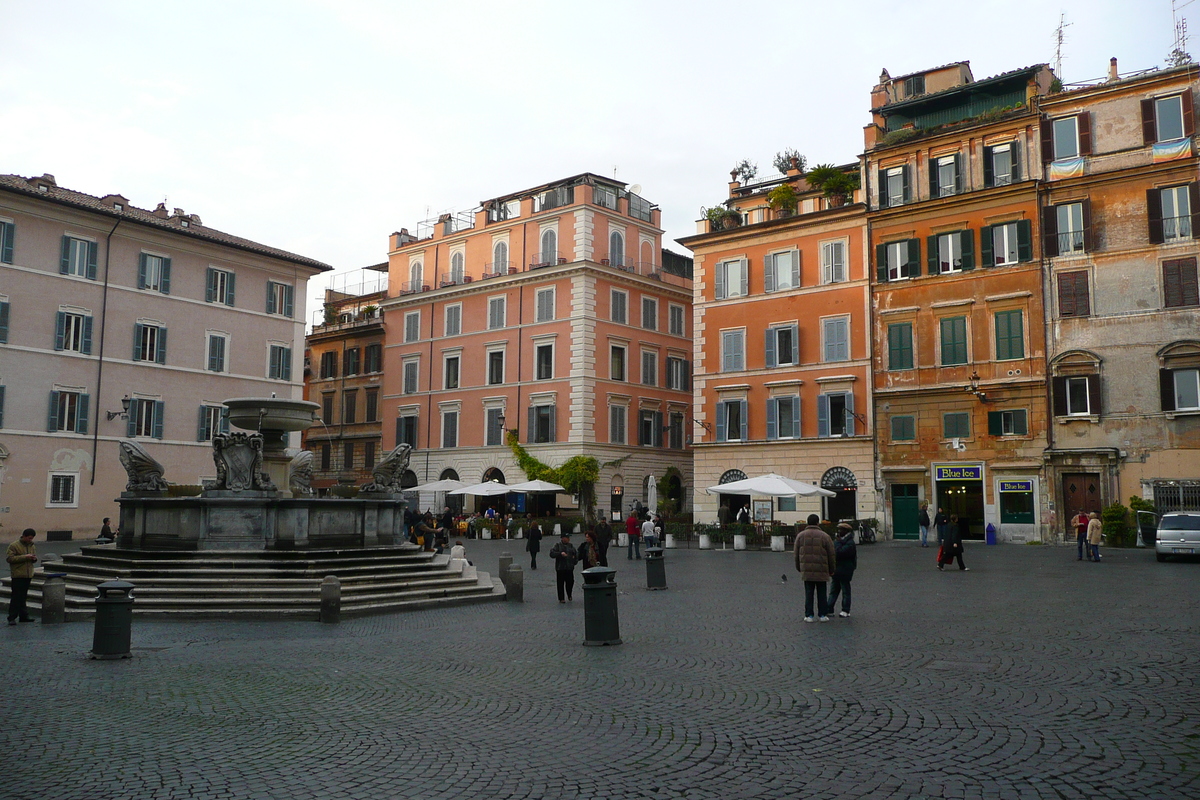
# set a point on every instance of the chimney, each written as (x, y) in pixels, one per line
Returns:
(161, 211)
(1112, 70)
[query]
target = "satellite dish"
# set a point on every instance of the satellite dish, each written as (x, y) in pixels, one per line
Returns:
(635, 189)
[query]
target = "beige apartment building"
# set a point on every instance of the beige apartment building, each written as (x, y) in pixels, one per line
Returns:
(122, 323)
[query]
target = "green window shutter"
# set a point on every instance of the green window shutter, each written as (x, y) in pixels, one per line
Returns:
(137, 341)
(1, 406)
(229, 283)
(270, 297)
(823, 416)
(770, 347)
(81, 414)
(7, 234)
(1009, 335)
(131, 423)
(93, 250)
(881, 264)
(142, 270)
(1021, 423)
(159, 408)
(987, 256)
(1024, 240)
(772, 412)
(933, 177)
(52, 421)
(288, 293)
(967, 246)
(931, 255)
(958, 173)
(287, 363)
(210, 279)
(989, 170)
(995, 423)
(60, 330)
(912, 267)
(86, 344)
(881, 182)
(3, 322)
(907, 187)
(164, 284)
(161, 355)
(64, 264)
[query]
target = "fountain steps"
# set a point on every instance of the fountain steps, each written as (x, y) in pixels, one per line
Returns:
(265, 584)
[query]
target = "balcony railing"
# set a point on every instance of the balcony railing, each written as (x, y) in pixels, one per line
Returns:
(497, 268)
(1070, 242)
(546, 259)
(412, 287)
(1177, 228)
(620, 262)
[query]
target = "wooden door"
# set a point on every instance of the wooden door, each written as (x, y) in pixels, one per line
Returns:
(1081, 492)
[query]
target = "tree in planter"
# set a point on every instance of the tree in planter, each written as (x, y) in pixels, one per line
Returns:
(831, 181)
(1115, 525)
(783, 199)
(744, 171)
(331, 315)
(789, 158)
(720, 217)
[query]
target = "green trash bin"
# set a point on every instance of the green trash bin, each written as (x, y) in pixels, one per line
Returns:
(656, 569)
(600, 622)
(114, 620)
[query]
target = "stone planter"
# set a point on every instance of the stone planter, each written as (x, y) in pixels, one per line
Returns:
(670, 541)
(739, 541)
(777, 544)
(705, 542)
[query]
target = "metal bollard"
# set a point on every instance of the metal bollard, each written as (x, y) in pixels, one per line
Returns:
(514, 587)
(600, 623)
(656, 570)
(331, 599)
(114, 621)
(504, 564)
(54, 598)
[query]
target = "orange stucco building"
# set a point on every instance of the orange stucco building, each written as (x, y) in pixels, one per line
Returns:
(553, 312)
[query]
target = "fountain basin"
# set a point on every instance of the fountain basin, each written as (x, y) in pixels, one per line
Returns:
(271, 413)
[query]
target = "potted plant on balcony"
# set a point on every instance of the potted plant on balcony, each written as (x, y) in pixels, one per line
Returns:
(368, 312)
(833, 182)
(782, 200)
(720, 217)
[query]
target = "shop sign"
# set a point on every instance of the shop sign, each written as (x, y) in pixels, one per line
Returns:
(1016, 486)
(958, 473)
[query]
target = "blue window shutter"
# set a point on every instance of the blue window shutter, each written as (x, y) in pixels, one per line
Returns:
(796, 416)
(86, 345)
(7, 234)
(141, 270)
(52, 421)
(137, 341)
(745, 276)
(270, 297)
(60, 328)
(229, 281)
(286, 355)
(210, 279)
(288, 292)
(823, 416)
(745, 419)
(795, 269)
(795, 343)
(131, 423)
(164, 283)
(200, 430)
(64, 264)
(772, 412)
(721, 421)
(850, 420)
(768, 274)
(81, 414)
(719, 292)
(161, 355)
(770, 347)
(159, 407)
(93, 250)
(3, 322)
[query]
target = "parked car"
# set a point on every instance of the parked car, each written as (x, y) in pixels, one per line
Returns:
(1178, 535)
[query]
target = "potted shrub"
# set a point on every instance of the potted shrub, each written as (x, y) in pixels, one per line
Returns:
(832, 182)
(368, 312)
(788, 159)
(783, 200)
(721, 218)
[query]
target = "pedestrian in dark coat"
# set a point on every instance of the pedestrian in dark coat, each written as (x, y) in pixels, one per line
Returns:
(953, 547)
(941, 522)
(603, 540)
(589, 551)
(534, 545)
(564, 556)
(923, 524)
(847, 561)
(815, 561)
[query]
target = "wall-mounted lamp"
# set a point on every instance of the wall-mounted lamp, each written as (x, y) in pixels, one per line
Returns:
(974, 389)
(703, 424)
(123, 413)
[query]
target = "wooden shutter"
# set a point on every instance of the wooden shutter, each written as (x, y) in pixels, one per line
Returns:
(933, 264)
(769, 348)
(554, 433)
(164, 281)
(905, 181)
(958, 173)
(966, 243)
(1154, 215)
(81, 414)
(1172, 285)
(7, 233)
(286, 356)
(229, 283)
(769, 266)
(745, 419)
(719, 282)
(64, 263)
(531, 434)
(1093, 385)
(1024, 240)
(1189, 114)
(796, 416)
(200, 427)
(795, 254)
(52, 420)
(1049, 231)
(989, 169)
(161, 339)
(880, 181)
(881, 264)
(1059, 386)
(1047, 141)
(1194, 210)
(86, 341)
(131, 423)
(995, 423)
(213, 362)
(1149, 129)
(159, 408)
(1073, 294)
(210, 280)
(934, 168)
(850, 428)
(745, 281)
(721, 415)
(288, 297)
(1089, 238)
(1166, 389)
(137, 341)
(3, 322)
(913, 265)
(987, 257)
(1014, 155)
(141, 270)
(270, 297)
(60, 330)
(1084, 122)
(823, 416)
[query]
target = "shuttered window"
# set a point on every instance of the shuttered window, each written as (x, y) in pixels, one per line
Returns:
(1073, 298)
(900, 346)
(1010, 335)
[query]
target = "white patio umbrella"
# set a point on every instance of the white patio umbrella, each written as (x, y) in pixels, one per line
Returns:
(652, 493)
(536, 486)
(485, 489)
(444, 485)
(770, 485)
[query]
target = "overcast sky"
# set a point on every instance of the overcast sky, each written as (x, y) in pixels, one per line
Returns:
(322, 126)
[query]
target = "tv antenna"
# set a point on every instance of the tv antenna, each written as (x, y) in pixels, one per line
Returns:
(1179, 56)
(1060, 37)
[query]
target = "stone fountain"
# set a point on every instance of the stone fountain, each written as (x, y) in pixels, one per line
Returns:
(260, 498)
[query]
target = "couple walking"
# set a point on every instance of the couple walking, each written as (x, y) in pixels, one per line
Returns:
(818, 559)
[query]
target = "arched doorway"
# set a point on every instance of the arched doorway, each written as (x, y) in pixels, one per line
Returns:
(844, 504)
(498, 502)
(731, 503)
(454, 501)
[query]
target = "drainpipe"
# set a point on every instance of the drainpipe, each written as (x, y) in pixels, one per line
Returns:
(1050, 473)
(100, 355)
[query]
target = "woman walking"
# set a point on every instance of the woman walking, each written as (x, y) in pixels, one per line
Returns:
(534, 546)
(923, 523)
(847, 560)
(1094, 529)
(953, 547)
(589, 551)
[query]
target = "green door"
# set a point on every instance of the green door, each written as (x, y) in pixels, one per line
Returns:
(905, 510)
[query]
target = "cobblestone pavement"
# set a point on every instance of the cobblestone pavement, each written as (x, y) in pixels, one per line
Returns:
(1031, 676)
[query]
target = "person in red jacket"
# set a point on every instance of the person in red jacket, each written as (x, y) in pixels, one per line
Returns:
(634, 530)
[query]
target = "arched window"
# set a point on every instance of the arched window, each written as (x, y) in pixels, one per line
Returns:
(456, 267)
(616, 249)
(648, 254)
(500, 258)
(415, 276)
(549, 248)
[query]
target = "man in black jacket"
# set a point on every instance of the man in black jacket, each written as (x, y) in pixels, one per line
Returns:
(564, 556)
(603, 538)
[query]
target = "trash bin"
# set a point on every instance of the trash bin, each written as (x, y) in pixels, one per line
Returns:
(114, 619)
(600, 624)
(989, 533)
(656, 570)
